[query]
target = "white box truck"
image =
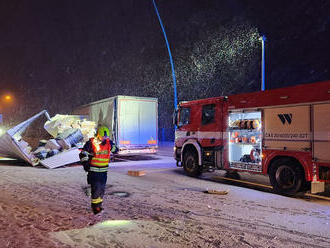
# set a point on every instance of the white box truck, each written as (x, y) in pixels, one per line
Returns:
(132, 121)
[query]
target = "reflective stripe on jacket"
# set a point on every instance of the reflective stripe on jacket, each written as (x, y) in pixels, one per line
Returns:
(100, 160)
(97, 200)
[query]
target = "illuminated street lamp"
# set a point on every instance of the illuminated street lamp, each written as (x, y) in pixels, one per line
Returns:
(263, 39)
(170, 55)
(8, 98)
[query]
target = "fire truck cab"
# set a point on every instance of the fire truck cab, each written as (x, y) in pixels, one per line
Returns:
(283, 133)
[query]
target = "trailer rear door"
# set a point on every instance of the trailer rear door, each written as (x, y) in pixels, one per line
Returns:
(137, 122)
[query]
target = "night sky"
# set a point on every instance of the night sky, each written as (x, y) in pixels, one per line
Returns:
(60, 54)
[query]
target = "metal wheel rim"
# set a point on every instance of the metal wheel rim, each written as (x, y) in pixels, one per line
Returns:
(285, 176)
(190, 163)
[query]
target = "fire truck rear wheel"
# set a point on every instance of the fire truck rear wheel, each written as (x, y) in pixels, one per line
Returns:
(190, 164)
(286, 176)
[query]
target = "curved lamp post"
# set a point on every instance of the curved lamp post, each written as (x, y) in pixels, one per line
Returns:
(170, 55)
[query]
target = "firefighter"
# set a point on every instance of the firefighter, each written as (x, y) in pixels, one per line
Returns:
(95, 157)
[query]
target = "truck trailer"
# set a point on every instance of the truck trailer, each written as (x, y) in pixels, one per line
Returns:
(283, 133)
(132, 121)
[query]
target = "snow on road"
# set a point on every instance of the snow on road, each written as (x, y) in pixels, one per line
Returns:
(165, 208)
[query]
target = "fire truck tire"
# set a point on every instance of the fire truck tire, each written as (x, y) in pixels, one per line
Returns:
(190, 164)
(286, 176)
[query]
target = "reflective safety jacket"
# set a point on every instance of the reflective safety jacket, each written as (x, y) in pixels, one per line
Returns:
(100, 160)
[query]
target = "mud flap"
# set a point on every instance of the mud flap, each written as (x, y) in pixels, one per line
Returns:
(317, 187)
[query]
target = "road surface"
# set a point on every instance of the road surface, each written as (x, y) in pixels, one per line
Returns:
(164, 208)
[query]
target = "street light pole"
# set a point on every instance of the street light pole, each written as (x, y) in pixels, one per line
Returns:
(263, 39)
(170, 55)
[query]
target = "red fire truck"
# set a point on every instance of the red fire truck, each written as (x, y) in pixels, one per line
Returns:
(283, 133)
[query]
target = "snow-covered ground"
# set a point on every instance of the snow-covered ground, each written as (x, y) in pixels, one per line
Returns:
(48, 208)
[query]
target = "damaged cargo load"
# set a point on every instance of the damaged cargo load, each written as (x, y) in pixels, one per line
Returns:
(66, 133)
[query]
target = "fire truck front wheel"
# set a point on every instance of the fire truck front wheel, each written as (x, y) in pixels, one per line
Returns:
(190, 164)
(286, 176)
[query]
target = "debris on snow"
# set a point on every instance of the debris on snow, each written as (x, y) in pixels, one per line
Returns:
(216, 192)
(136, 173)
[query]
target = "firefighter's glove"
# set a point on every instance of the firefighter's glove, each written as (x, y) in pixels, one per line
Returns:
(84, 156)
(84, 159)
(114, 148)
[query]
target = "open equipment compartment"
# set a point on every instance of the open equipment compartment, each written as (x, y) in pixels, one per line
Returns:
(245, 141)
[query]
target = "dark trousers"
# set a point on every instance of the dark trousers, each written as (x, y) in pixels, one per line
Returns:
(97, 180)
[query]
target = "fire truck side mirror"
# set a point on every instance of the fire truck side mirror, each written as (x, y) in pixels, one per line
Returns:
(175, 117)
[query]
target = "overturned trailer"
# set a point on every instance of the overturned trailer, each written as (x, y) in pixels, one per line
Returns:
(13, 145)
(133, 122)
